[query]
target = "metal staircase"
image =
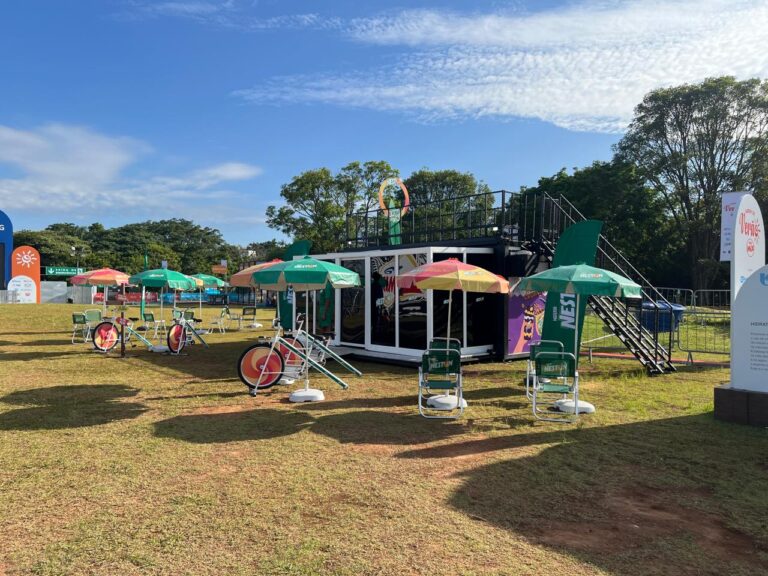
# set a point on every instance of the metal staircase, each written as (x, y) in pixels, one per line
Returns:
(542, 219)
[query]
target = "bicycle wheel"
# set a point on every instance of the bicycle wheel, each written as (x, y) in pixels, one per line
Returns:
(177, 338)
(292, 360)
(257, 359)
(105, 336)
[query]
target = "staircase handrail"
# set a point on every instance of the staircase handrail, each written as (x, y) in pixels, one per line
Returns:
(634, 272)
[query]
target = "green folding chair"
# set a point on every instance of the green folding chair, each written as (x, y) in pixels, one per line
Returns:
(249, 315)
(80, 324)
(555, 379)
(530, 368)
(154, 324)
(440, 372)
(93, 316)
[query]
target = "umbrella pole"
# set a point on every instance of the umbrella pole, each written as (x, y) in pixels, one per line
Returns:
(201, 303)
(448, 331)
(576, 333)
(162, 289)
(143, 302)
(104, 303)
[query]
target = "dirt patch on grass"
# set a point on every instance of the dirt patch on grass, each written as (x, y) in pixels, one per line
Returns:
(635, 515)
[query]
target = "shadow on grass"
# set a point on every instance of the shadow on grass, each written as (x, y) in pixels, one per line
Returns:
(76, 406)
(369, 427)
(260, 424)
(385, 402)
(643, 498)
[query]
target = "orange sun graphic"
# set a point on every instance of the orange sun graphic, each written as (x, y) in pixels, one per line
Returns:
(26, 258)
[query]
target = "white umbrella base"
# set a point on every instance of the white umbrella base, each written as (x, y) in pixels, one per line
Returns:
(159, 349)
(307, 395)
(445, 402)
(568, 407)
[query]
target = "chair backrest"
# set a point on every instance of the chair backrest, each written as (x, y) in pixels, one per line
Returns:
(224, 312)
(545, 346)
(92, 315)
(177, 313)
(249, 311)
(79, 318)
(445, 343)
(555, 365)
(189, 314)
(148, 316)
(441, 362)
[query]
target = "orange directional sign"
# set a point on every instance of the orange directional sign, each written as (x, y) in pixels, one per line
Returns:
(25, 274)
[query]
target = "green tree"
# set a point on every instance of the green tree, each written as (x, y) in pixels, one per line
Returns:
(694, 142)
(56, 248)
(633, 215)
(359, 186)
(314, 210)
(451, 201)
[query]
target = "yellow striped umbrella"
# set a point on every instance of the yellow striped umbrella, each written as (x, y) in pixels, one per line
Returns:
(452, 274)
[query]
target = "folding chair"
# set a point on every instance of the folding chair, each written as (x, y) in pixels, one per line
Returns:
(155, 324)
(530, 369)
(249, 313)
(93, 316)
(80, 323)
(555, 378)
(440, 371)
(222, 322)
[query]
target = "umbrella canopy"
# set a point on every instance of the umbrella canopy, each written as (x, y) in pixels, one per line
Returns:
(452, 274)
(244, 278)
(210, 281)
(581, 279)
(100, 277)
(305, 274)
(197, 283)
(163, 278)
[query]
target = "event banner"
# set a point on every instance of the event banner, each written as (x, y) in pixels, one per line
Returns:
(526, 314)
(748, 252)
(577, 245)
(6, 248)
(730, 203)
(749, 334)
(25, 274)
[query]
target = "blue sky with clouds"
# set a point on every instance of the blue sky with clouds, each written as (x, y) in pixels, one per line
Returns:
(124, 110)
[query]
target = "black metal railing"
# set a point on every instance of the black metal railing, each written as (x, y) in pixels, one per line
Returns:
(483, 215)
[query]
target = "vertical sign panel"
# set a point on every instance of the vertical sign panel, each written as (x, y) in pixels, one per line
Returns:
(6, 248)
(748, 252)
(25, 274)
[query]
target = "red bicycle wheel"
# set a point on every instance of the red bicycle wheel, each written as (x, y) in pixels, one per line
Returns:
(105, 336)
(291, 358)
(177, 338)
(260, 361)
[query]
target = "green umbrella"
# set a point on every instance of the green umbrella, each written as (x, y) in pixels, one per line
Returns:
(305, 274)
(163, 278)
(581, 280)
(211, 281)
(208, 282)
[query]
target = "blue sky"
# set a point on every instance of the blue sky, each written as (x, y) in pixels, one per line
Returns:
(124, 110)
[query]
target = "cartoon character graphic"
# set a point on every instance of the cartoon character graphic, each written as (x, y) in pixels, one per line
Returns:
(532, 308)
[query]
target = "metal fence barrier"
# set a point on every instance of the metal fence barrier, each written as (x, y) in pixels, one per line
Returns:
(9, 297)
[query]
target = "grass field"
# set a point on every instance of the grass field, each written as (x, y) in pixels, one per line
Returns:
(164, 465)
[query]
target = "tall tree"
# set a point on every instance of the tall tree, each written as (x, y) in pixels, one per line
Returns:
(633, 215)
(694, 142)
(314, 210)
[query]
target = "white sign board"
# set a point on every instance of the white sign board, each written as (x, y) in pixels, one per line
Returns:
(748, 252)
(730, 203)
(749, 334)
(26, 289)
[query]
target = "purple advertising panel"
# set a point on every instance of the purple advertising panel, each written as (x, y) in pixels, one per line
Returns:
(526, 315)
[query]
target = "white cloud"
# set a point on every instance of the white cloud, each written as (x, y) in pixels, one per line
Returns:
(582, 67)
(74, 172)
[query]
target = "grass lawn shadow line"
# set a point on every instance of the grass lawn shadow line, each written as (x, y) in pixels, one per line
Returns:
(214, 428)
(372, 427)
(623, 498)
(75, 406)
(385, 402)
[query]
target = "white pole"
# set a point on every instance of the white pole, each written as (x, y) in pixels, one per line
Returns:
(448, 335)
(104, 304)
(576, 333)
(201, 303)
(162, 289)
